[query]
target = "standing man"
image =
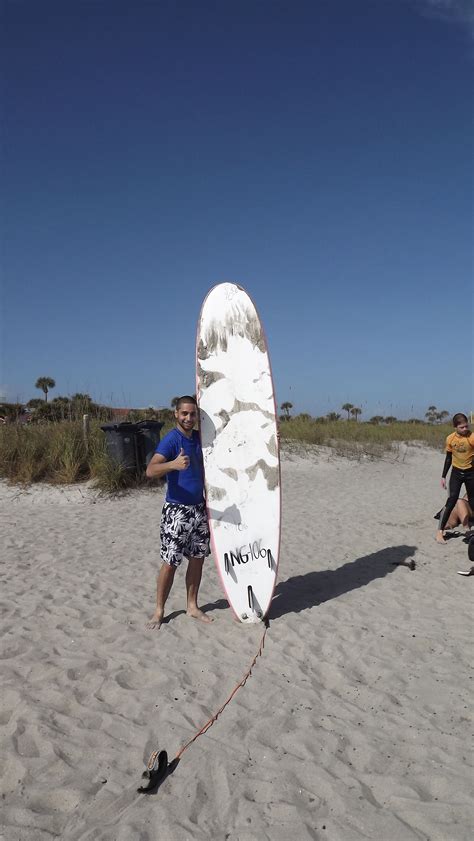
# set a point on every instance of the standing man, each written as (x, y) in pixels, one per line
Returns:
(184, 530)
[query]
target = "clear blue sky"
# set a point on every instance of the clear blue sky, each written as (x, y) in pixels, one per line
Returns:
(318, 153)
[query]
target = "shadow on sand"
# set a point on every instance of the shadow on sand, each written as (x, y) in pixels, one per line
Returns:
(220, 604)
(313, 588)
(304, 591)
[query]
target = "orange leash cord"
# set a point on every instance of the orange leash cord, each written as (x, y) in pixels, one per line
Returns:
(211, 721)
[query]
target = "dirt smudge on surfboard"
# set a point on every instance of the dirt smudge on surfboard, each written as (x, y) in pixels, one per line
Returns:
(271, 474)
(241, 323)
(272, 446)
(208, 378)
(225, 418)
(240, 406)
(229, 471)
(215, 494)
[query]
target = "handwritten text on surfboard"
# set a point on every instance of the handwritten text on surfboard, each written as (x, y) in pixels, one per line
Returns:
(248, 552)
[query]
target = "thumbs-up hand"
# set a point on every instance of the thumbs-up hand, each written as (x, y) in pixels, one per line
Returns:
(181, 461)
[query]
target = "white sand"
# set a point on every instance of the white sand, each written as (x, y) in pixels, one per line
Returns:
(354, 724)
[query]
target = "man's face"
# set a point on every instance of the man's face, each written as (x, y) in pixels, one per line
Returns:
(186, 416)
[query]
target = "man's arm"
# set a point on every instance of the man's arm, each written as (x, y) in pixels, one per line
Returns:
(159, 467)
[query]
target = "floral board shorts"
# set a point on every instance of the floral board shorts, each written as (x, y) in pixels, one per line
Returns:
(184, 533)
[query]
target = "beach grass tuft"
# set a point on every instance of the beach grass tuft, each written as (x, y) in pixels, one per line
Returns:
(58, 452)
(352, 434)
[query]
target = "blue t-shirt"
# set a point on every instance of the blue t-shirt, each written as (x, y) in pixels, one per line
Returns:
(185, 487)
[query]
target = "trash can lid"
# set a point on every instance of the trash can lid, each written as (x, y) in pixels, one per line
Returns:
(125, 426)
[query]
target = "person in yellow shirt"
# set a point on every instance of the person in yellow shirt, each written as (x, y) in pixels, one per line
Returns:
(460, 458)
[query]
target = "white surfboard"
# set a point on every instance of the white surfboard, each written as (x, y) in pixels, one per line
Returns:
(238, 427)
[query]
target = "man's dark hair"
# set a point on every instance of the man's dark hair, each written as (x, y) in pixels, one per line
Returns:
(186, 398)
(459, 418)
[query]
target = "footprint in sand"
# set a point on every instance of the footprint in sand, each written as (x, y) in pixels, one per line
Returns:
(96, 665)
(10, 652)
(93, 623)
(5, 717)
(125, 680)
(24, 742)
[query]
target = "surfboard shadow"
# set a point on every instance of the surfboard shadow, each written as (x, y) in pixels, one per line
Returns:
(304, 591)
(207, 425)
(231, 514)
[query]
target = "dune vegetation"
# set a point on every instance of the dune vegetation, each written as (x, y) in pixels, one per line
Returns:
(59, 452)
(60, 441)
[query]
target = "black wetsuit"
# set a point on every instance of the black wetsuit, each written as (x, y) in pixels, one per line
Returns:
(458, 478)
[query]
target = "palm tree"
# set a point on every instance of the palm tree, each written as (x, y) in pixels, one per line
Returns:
(347, 408)
(333, 416)
(81, 398)
(356, 411)
(285, 407)
(45, 383)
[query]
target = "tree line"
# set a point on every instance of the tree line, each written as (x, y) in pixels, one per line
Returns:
(433, 415)
(61, 408)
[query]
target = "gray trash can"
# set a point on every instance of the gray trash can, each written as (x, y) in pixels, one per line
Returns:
(122, 446)
(148, 437)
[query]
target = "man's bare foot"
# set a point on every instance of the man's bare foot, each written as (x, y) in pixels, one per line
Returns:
(196, 613)
(154, 624)
(440, 537)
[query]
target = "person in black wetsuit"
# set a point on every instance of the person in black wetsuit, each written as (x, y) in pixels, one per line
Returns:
(460, 457)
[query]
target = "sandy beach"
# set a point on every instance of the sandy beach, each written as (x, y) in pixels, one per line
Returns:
(355, 723)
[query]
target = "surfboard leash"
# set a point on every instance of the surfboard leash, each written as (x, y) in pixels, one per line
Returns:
(157, 767)
(216, 715)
